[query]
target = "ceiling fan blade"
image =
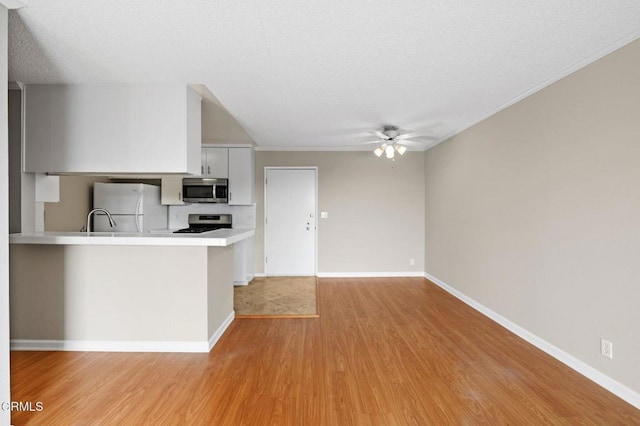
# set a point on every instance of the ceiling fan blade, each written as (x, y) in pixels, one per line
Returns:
(370, 142)
(413, 135)
(413, 143)
(347, 132)
(433, 130)
(380, 135)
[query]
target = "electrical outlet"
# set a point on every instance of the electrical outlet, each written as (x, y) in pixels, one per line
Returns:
(606, 348)
(412, 261)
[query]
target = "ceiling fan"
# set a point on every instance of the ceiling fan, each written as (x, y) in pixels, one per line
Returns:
(391, 140)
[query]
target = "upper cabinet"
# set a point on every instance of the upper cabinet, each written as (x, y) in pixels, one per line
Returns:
(215, 163)
(236, 164)
(241, 176)
(112, 129)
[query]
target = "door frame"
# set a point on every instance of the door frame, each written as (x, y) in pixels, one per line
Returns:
(315, 213)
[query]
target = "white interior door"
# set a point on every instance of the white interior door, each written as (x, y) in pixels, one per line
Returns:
(290, 222)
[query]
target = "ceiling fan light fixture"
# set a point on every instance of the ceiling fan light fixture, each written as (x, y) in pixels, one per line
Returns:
(389, 151)
(392, 140)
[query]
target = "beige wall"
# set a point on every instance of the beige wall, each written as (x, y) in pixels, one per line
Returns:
(535, 213)
(76, 199)
(219, 127)
(375, 206)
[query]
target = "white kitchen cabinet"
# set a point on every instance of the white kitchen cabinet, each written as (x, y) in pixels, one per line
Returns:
(171, 191)
(111, 129)
(241, 176)
(234, 163)
(215, 163)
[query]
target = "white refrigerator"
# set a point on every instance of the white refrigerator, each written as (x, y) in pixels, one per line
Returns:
(135, 207)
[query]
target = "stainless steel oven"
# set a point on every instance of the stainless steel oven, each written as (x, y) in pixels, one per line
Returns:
(203, 190)
(199, 223)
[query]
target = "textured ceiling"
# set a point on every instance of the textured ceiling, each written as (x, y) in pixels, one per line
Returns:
(318, 73)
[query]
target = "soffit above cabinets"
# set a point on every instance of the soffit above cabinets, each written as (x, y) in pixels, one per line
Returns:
(317, 75)
(111, 130)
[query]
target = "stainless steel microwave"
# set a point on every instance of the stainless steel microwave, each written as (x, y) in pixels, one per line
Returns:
(203, 190)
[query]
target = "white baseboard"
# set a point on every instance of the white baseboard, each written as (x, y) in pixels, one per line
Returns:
(285, 275)
(368, 274)
(244, 282)
(617, 388)
(357, 274)
(123, 345)
(220, 331)
(109, 345)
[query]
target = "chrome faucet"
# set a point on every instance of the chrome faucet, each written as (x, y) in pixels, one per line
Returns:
(112, 222)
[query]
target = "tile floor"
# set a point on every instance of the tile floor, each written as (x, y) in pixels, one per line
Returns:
(277, 296)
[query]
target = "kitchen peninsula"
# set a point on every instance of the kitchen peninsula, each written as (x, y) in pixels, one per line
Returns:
(106, 291)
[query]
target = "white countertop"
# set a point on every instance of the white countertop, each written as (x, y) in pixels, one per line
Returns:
(217, 238)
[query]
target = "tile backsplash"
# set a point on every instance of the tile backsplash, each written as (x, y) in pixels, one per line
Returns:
(243, 216)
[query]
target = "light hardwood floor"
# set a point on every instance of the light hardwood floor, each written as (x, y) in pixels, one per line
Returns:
(384, 352)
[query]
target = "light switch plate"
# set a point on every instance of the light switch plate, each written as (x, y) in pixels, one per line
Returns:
(324, 215)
